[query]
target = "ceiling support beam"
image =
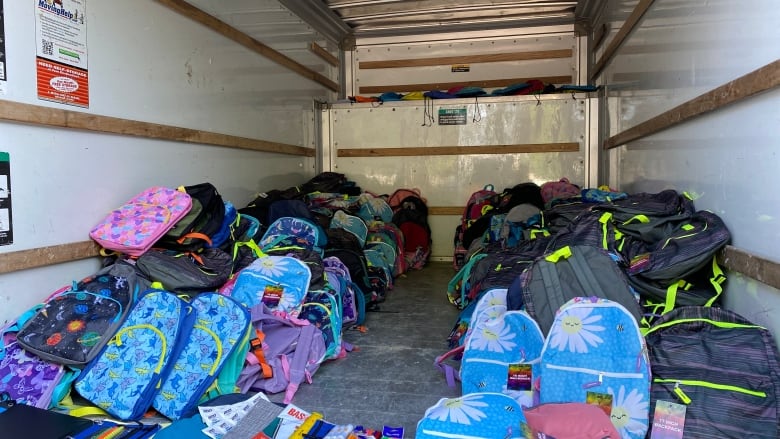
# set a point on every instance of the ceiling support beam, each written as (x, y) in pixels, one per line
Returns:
(245, 40)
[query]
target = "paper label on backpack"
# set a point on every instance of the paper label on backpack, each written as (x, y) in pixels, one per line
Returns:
(520, 377)
(272, 295)
(668, 420)
(602, 400)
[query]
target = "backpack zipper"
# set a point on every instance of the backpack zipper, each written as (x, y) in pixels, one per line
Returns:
(218, 344)
(599, 373)
(696, 383)
(118, 342)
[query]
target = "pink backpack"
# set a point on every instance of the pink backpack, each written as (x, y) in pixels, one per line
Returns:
(562, 188)
(570, 421)
(135, 226)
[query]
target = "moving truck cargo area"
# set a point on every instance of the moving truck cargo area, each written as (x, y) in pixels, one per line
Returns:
(389, 219)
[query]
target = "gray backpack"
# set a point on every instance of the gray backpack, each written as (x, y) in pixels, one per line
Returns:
(722, 368)
(569, 272)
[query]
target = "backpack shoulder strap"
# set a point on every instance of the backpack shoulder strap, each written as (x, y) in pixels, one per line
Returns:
(297, 366)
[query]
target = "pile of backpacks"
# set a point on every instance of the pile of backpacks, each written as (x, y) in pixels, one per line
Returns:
(594, 313)
(199, 299)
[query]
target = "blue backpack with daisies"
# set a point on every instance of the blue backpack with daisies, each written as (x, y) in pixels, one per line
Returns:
(221, 324)
(595, 353)
(481, 415)
(280, 282)
(125, 377)
(499, 355)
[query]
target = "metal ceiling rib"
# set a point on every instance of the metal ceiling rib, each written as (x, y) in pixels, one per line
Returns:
(373, 18)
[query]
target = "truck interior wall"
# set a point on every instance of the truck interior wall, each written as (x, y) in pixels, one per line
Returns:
(728, 157)
(148, 64)
(479, 58)
(448, 180)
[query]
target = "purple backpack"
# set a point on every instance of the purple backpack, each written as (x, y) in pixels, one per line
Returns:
(136, 225)
(26, 378)
(284, 353)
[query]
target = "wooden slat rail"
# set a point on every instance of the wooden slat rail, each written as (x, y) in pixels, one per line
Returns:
(215, 24)
(446, 210)
(492, 83)
(45, 256)
(755, 267)
(621, 36)
(324, 54)
(459, 150)
(761, 269)
(466, 59)
(55, 117)
(755, 82)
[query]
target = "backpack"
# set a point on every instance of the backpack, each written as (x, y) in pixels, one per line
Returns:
(411, 217)
(352, 300)
(312, 259)
(381, 254)
(722, 368)
(500, 350)
(73, 326)
(358, 272)
(374, 209)
(390, 234)
(417, 244)
(595, 353)
(24, 377)
(220, 323)
(481, 415)
(323, 309)
(139, 223)
(339, 238)
(560, 189)
(325, 182)
(572, 271)
(288, 231)
(687, 248)
(351, 223)
(395, 200)
(224, 236)
(478, 204)
(279, 282)
(205, 226)
(293, 208)
(283, 354)
(569, 420)
(523, 193)
(187, 273)
(125, 377)
(258, 208)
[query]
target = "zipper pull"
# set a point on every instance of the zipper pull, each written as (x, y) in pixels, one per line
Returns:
(680, 394)
(594, 383)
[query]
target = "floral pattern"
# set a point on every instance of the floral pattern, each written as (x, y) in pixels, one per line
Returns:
(576, 331)
(629, 412)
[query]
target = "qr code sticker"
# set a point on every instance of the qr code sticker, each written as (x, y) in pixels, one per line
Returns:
(48, 47)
